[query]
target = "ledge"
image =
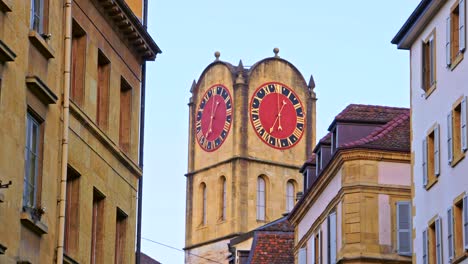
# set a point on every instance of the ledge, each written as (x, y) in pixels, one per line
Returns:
(39, 42)
(5, 6)
(41, 90)
(2, 249)
(36, 226)
(68, 260)
(6, 54)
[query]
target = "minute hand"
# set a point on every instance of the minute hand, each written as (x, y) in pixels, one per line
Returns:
(278, 116)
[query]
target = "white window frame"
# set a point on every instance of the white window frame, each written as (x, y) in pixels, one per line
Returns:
(261, 199)
(31, 152)
(290, 189)
(37, 15)
(400, 230)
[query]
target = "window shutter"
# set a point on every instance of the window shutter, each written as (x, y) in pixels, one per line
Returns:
(425, 247)
(431, 61)
(312, 251)
(319, 247)
(302, 258)
(404, 228)
(465, 221)
(424, 162)
(450, 233)
(332, 238)
(463, 124)
(423, 66)
(448, 55)
(449, 137)
(461, 29)
(438, 235)
(436, 151)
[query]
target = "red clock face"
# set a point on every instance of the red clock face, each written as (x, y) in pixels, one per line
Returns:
(277, 115)
(214, 117)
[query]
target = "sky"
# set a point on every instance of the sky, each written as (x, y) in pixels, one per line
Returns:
(345, 45)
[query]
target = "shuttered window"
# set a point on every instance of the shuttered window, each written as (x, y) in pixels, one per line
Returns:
(450, 137)
(450, 240)
(425, 242)
(463, 125)
(465, 221)
(404, 228)
(438, 241)
(455, 34)
(302, 257)
(331, 253)
(436, 151)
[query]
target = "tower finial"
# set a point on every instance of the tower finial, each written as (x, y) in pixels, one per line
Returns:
(194, 84)
(217, 54)
(276, 51)
(240, 71)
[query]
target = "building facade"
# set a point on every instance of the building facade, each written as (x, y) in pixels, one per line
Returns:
(70, 96)
(249, 127)
(435, 35)
(357, 191)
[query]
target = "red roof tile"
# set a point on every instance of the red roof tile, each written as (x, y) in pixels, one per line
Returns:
(368, 114)
(272, 248)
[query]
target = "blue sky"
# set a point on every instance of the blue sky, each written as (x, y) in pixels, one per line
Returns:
(345, 45)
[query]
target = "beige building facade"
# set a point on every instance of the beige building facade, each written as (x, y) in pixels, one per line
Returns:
(242, 174)
(70, 95)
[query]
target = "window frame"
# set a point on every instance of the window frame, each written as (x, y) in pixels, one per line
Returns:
(457, 131)
(428, 55)
(400, 230)
(39, 16)
(431, 156)
(290, 196)
(261, 199)
(455, 34)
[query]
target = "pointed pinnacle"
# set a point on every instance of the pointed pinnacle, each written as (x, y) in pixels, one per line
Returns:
(311, 82)
(194, 84)
(240, 66)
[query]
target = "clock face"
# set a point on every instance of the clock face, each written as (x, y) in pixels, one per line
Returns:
(214, 117)
(277, 115)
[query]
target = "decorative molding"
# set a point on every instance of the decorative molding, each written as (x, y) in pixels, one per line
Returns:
(5, 6)
(105, 140)
(41, 90)
(124, 21)
(212, 241)
(6, 54)
(68, 260)
(39, 42)
(36, 226)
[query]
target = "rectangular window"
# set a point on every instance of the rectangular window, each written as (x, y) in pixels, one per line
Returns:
(403, 214)
(457, 132)
(334, 140)
(103, 90)
(431, 157)
(97, 228)
(72, 209)
(455, 34)
(460, 227)
(428, 64)
(450, 234)
(302, 256)
(261, 199)
(434, 248)
(318, 248)
(331, 249)
(318, 161)
(78, 63)
(125, 115)
(37, 15)
(120, 237)
(33, 162)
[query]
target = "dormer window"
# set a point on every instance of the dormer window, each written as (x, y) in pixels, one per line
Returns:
(306, 178)
(334, 140)
(318, 162)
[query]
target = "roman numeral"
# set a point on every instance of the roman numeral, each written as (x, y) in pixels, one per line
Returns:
(228, 111)
(257, 124)
(300, 119)
(267, 91)
(226, 126)
(255, 111)
(277, 88)
(266, 137)
(297, 106)
(297, 133)
(198, 123)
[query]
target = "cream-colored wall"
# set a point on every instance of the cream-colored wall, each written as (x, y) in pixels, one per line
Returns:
(393, 173)
(217, 252)
(385, 223)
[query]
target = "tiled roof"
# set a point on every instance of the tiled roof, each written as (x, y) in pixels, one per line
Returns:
(281, 224)
(145, 259)
(326, 139)
(272, 248)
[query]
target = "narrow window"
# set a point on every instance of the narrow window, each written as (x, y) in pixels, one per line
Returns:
(97, 226)
(465, 221)
(404, 228)
(428, 63)
(318, 162)
(72, 212)
(450, 235)
(261, 199)
(223, 199)
(334, 140)
(455, 29)
(457, 132)
(289, 196)
(331, 242)
(103, 90)
(125, 115)
(454, 33)
(460, 227)
(435, 242)
(32, 179)
(37, 15)
(302, 256)
(318, 248)
(431, 158)
(120, 237)
(78, 62)
(203, 196)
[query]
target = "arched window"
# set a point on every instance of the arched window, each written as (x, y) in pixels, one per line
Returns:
(289, 196)
(261, 199)
(223, 198)
(203, 195)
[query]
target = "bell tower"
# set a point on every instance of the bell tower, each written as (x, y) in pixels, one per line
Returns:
(250, 130)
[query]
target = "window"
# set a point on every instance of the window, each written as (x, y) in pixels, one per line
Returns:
(457, 132)
(317, 247)
(37, 15)
(261, 199)
(120, 234)
(403, 221)
(97, 228)
(125, 115)
(289, 196)
(33, 151)
(457, 226)
(78, 62)
(428, 64)
(103, 91)
(331, 238)
(334, 140)
(455, 34)
(432, 243)
(431, 157)
(223, 199)
(72, 212)
(318, 162)
(302, 256)
(203, 196)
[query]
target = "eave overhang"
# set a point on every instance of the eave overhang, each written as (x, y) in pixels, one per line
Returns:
(416, 23)
(124, 21)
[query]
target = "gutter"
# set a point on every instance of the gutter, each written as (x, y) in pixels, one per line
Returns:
(66, 117)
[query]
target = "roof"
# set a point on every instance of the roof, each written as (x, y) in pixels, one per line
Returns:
(145, 259)
(413, 18)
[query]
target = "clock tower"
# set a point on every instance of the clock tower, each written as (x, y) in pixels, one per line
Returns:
(251, 128)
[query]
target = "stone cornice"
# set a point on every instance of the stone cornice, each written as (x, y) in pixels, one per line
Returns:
(124, 21)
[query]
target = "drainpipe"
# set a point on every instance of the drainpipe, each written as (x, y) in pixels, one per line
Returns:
(66, 116)
(142, 141)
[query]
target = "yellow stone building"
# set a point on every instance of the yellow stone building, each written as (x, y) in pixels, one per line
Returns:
(250, 130)
(71, 88)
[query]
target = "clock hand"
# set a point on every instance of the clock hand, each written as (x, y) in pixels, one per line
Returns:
(278, 117)
(213, 113)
